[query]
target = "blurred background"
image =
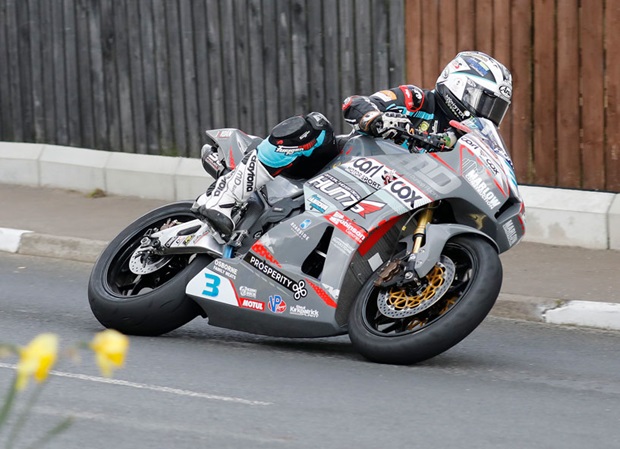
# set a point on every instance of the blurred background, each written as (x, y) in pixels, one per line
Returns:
(149, 76)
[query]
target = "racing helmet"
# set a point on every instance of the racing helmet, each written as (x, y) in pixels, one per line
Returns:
(475, 84)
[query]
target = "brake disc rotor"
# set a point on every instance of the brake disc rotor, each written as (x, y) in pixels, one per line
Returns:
(144, 262)
(395, 302)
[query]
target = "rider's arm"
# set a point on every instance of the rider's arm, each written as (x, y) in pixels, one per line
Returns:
(407, 99)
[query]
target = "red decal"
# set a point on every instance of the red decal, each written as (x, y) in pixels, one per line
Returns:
(260, 249)
(347, 102)
(406, 90)
(438, 158)
(308, 145)
(408, 97)
(348, 226)
(323, 295)
(232, 159)
(251, 304)
(367, 207)
(376, 235)
(459, 126)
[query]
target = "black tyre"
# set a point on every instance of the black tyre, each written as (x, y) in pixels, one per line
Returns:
(405, 337)
(148, 304)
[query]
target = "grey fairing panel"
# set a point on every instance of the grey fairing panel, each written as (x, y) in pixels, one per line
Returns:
(436, 237)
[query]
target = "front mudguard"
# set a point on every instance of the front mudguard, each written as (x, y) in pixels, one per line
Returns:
(436, 237)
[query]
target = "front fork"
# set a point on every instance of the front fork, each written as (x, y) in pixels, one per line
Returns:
(400, 271)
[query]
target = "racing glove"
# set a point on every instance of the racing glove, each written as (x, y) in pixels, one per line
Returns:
(384, 124)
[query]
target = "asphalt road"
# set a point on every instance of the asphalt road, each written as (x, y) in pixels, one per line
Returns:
(508, 385)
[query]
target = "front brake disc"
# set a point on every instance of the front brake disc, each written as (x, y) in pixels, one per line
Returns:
(397, 302)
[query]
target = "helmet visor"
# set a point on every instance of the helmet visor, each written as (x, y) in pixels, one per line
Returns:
(486, 103)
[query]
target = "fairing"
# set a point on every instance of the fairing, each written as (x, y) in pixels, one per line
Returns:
(300, 277)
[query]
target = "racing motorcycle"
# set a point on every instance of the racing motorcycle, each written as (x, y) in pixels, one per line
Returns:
(396, 245)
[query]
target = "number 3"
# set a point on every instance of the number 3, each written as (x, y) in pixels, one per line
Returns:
(211, 285)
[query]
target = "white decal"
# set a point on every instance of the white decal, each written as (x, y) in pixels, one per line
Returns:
(303, 311)
(408, 195)
(342, 245)
(482, 189)
(247, 292)
(511, 232)
(225, 269)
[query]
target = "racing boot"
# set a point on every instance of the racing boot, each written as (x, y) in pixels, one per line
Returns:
(232, 189)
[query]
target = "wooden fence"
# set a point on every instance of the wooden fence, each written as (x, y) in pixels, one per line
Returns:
(564, 57)
(149, 76)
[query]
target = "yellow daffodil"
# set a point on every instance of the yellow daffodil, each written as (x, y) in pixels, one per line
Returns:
(36, 359)
(110, 348)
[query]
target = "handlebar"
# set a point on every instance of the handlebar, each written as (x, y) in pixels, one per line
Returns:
(422, 142)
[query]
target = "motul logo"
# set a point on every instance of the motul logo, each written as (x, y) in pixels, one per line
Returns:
(251, 304)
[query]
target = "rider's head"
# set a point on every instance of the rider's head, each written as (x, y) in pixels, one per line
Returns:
(475, 84)
(301, 133)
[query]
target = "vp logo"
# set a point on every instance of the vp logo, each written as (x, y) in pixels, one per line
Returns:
(276, 304)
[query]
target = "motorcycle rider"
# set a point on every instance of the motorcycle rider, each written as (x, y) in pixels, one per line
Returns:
(472, 84)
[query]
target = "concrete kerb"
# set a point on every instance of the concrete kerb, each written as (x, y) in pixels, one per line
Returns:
(569, 217)
(614, 223)
(85, 170)
(560, 217)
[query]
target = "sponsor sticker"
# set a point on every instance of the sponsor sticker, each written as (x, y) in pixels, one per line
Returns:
(315, 202)
(335, 189)
(511, 232)
(345, 224)
(368, 170)
(298, 288)
(251, 304)
(407, 194)
(299, 229)
(247, 292)
(225, 269)
(482, 189)
(300, 310)
(276, 304)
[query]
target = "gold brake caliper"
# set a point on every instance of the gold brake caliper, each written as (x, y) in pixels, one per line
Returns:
(399, 299)
(396, 302)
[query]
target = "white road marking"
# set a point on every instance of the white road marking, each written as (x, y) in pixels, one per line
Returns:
(157, 388)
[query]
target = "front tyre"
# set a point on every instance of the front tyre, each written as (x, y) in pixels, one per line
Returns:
(397, 333)
(147, 304)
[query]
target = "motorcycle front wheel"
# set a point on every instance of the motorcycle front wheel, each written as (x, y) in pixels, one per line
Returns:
(383, 323)
(146, 304)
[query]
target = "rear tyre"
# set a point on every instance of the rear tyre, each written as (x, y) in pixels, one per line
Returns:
(149, 304)
(407, 337)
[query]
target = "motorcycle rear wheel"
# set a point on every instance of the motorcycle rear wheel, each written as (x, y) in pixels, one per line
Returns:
(468, 300)
(150, 304)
